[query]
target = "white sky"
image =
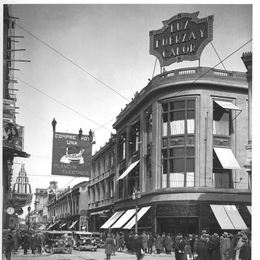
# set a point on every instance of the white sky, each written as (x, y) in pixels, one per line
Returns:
(110, 42)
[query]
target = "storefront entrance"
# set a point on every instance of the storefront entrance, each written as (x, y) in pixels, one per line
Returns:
(176, 225)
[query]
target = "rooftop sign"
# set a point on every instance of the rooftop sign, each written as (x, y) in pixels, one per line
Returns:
(183, 37)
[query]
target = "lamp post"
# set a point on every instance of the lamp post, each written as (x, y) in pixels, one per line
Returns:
(135, 196)
(29, 209)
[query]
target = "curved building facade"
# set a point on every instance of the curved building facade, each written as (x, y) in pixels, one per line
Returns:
(181, 144)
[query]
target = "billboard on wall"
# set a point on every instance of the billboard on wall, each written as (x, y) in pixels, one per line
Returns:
(183, 37)
(13, 136)
(71, 154)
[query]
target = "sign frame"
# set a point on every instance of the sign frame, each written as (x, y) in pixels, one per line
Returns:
(193, 18)
(67, 162)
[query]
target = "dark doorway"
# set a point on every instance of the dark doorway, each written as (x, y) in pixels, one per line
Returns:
(177, 225)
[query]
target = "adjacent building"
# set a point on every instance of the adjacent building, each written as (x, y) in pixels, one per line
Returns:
(101, 188)
(64, 208)
(13, 134)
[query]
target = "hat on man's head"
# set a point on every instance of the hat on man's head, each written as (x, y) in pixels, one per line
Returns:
(244, 238)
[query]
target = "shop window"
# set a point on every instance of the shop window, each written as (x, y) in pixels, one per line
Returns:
(178, 143)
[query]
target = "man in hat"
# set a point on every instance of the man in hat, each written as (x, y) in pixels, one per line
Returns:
(214, 244)
(179, 247)
(201, 246)
(245, 251)
(139, 249)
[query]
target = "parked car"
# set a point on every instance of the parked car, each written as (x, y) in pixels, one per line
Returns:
(59, 242)
(97, 236)
(84, 241)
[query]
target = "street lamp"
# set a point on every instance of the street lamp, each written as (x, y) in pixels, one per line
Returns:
(135, 196)
(29, 209)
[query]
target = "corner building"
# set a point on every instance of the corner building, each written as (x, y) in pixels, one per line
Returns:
(181, 143)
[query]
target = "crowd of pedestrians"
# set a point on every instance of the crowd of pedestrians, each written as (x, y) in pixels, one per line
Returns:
(204, 246)
(28, 241)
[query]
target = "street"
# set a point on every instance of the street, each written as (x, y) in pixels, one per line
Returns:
(87, 255)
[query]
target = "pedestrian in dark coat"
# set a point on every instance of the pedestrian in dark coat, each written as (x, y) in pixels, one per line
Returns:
(201, 247)
(139, 248)
(150, 243)
(231, 251)
(131, 242)
(117, 237)
(109, 246)
(179, 247)
(187, 253)
(121, 243)
(33, 243)
(158, 244)
(25, 243)
(245, 251)
(214, 244)
(168, 244)
(8, 245)
(16, 241)
(39, 243)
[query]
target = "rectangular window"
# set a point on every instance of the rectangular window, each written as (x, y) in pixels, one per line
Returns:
(122, 147)
(221, 120)
(222, 179)
(178, 143)
(135, 138)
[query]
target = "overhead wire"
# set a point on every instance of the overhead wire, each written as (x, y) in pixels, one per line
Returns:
(71, 61)
(61, 103)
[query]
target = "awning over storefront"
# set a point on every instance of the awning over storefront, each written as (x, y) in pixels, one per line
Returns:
(124, 218)
(227, 158)
(227, 105)
(235, 217)
(51, 227)
(249, 209)
(128, 170)
(112, 219)
(228, 217)
(73, 224)
(140, 213)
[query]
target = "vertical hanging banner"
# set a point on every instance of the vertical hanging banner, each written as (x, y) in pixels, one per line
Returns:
(71, 155)
(183, 37)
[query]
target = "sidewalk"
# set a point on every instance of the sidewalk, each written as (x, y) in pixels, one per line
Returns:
(100, 254)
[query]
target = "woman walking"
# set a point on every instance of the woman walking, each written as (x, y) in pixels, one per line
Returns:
(109, 246)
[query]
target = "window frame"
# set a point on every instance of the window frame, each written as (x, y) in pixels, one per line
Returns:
(170, 141)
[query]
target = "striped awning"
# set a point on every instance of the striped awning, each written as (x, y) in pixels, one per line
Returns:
(228, 217)
(73, 224)
(127, 171)
(112, 219)
(124, 218)
(140, 214)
